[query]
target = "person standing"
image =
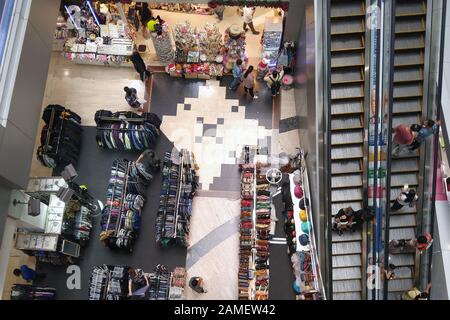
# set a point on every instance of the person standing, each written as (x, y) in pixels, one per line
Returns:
(145, 15)
(139, 65)
(237, 75)
(218, 10)
(131, 98)
(407, 197)
(403, 136)
(249, 82)
(196, 284)
(137, 279)
(247, 16)
(273, 80)
(427, 129)
(28, 274)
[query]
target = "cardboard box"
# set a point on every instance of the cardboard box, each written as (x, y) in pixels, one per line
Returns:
(191, 76)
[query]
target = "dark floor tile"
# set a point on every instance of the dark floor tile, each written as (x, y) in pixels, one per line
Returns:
(200, 119)
(289, 124)
(187, 107)
(209, 130)
(220, 121)
(219, 140)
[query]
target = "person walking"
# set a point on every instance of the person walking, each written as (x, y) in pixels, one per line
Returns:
(247, 16)
(403, 136)
(407, 197)
(218, 10)
(28, 274)
(131, 98)
(196, 284)
(249, 82)
(237, 75)
(273, 80)
(145, 15)
(139, 65)
(425, 130)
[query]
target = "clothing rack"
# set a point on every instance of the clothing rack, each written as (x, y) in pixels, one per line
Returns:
(31, 292)
(101, 283)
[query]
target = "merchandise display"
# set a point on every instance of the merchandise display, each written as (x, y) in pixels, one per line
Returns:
(109, 283)
(30, 292)
(163, 45)
(121, 217)
(175, 203)
(185, 40)
(273, 34)
(182, 7)
(102, 38)
(77, 222)
(210, 42)
(60, 137)
(126, 130)
(234, 43)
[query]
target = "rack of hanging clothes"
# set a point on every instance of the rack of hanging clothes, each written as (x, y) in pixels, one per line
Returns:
(109, 282)
(77, 222)
(126, 130)
(60, 137)
(121, 216)
(178, 188)
(31, 292)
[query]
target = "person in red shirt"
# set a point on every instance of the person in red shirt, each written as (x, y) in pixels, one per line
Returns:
(403, 136)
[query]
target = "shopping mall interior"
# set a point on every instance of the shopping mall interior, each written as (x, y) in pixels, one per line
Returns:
(224, 150)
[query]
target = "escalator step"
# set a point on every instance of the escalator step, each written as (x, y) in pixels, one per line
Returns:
(404, 259)
(351, 180)
(406, 41)
(409, 24)
(394, 295)
(400, 179)
(349, 25)
(347, 273)
(347, 91)
(399, 165)
(346, 195)
(347, 286)
(346, 261)
(404, 220)
(402, 233)
(346, 75)
(347, 296)
(344, 107)
(335, 207)
(346, 8)
(400, 284)
(346, 42)
(407, 105)
(345, 166)
(346, 59)
(347, 122)
(339, 138)
(408, 74)
(340, 248)
(409, 7)
(338, 153)
(408, 58)
(347, 236)
(403, 273)
(402, 90)
(404, 119)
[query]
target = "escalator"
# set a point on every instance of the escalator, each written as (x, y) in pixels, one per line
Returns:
(408, 98)
(347, 99)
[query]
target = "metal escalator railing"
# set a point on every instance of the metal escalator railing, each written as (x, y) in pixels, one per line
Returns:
(408, 101)
(346, 109)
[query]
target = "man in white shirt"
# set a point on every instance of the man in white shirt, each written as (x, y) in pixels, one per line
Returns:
(247, 15)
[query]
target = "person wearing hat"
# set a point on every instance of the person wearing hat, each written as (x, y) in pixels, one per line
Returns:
(343, 220)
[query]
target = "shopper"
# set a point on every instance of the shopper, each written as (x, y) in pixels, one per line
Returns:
(407, 197)
(360, 216)
(343, 220)
(416, 294)
(137, 279)
(145, 15)
(249, 82)
(28, 274)
(139, 65)
(196, 284)
(217, 8)
(131, 98)
(403, 137)
(425, 130)
(424, 242)
(273, 80)
(247, 15)
(237, 75)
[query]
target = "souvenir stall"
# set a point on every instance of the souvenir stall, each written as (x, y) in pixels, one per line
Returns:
(100, 35)
(179, 185)
(163, 44)
(234, 42)
(299, 228)
(271, 40)
(67, 222)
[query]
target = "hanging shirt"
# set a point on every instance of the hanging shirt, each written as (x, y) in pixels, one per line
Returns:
(403, 135)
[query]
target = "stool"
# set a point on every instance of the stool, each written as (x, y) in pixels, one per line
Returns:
(287, 81)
